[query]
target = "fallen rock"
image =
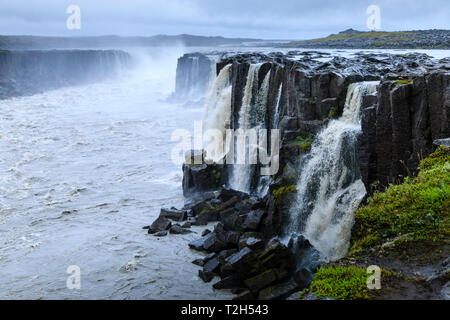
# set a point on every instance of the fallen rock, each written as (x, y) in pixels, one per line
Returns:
(253, 220)
(212, 266)
(199, 262)
(262, 280)
(206, 277)
(173, 214)
(278, 291)
(161, 233)
(160, 224)
(177, 229)
(229, 282)
(246, 295)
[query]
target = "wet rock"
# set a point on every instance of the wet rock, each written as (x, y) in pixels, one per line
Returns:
(442, 142)
(206, 277)
(242, 261)
(253, 220)
(228, 282)
(160, 224)
(246, 295)
(226, 194)
(161, 233)
(212, 243)
(177, 229)
(198, 262)
(209, 257)
(251, 242)
(278, 291)
(212, 266)
(231, 238)
(262, 280)
(186, 225)
(303, 277)
(173, 214)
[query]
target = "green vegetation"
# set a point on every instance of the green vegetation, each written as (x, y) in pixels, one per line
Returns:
(309, 138)
(282, 190)
(415, 212)
(304, 147)
(401, 82)
(344, 282)
(304, 144)
(334, 112)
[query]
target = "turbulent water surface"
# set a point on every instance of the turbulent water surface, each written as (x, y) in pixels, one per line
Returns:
(82, 170)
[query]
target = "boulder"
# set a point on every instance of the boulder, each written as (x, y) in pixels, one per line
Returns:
(212, 266)
(278, 291)
(160, 224)
(173, 214)
(206, 277)
(161, 233)
(177, 229)
(262, 280)
(229, 282)
(253, 220)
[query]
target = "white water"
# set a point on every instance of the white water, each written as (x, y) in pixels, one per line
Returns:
(329, 187)
(252, 115)
(218, 110)
(82, 170)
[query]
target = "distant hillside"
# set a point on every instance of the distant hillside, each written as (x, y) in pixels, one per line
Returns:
(37, 42)
(353, 39)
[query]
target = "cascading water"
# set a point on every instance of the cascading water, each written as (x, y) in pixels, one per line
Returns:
(329, 187)
(251, 116)
(218, 107)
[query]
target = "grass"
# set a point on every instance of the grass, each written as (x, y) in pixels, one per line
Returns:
(344, 282)
(415, 211)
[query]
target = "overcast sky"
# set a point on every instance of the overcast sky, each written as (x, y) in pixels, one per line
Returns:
(266, 19)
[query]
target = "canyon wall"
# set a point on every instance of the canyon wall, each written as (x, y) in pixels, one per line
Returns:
(29, 72)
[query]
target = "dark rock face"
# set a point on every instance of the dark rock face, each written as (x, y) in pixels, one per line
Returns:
(194, 74)
(29, 72)
(314, 91)
(199, 176)
(398, 130)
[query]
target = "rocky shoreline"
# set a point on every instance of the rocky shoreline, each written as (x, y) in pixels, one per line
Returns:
(399, 125)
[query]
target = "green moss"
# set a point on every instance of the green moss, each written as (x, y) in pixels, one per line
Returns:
(282, 190)
(309, 138)
(304, 147)
(334, 112)
(345, 282)
(416, 210)
(402, 82)
(303, 293)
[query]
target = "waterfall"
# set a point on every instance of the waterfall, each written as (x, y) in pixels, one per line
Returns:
(252, 115)
(218, 106)
(329, 188)
(276, 116)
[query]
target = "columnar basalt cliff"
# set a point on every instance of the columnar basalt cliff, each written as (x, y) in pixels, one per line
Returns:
(369, 119)
(195, 72)
(29, 72)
